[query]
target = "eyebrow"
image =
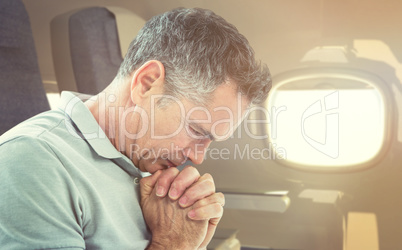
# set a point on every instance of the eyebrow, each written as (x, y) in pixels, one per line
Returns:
(203, 131)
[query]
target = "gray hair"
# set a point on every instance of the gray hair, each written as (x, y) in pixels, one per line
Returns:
(200, 51)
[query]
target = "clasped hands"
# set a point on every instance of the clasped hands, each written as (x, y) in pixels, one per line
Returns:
(181, 209)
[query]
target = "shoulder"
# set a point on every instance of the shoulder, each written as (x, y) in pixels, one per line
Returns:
(35, 126)
(28, 163)
(40, 205)
(25, 155)
(23, 149)
(34, 134)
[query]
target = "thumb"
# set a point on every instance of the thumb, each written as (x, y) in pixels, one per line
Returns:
(147, 184)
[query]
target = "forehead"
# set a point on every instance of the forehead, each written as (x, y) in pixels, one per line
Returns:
(228, 96)
(225, 97)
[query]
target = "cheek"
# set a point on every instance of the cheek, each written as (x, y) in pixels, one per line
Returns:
(176, 143)
(166, 128)
(222, 130)
(167, 121)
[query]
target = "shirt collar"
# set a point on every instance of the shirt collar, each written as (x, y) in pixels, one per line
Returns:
(88, 128)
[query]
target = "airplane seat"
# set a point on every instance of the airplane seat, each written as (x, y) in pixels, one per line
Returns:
(22, 94)
(87, 46)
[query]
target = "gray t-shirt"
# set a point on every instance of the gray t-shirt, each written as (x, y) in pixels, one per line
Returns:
(64, 185)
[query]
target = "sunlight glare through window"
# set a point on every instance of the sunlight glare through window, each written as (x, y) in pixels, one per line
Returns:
(329, 127)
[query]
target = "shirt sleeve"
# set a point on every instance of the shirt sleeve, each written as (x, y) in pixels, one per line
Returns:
(40, 207)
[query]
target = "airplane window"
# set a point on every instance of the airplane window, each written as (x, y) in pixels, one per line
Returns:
(328, 121)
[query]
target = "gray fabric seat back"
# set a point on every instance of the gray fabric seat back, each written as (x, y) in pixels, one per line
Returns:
(22, 94)
(95, 49)
(88, 46)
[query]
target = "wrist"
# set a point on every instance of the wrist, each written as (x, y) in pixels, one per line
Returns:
(155, 246)
(158, 244)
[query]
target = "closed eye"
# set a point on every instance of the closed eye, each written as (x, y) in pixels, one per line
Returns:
(199, 133)
(195, 132)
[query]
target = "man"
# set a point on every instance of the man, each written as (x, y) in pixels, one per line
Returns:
(69, 178)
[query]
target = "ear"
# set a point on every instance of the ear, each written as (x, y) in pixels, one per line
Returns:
(149, 76)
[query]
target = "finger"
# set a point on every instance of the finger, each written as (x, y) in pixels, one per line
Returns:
(204, 187)
(187, 177)
(212, 212)
(147, 184)
(214, 198)
(208, 237)
(165, 180)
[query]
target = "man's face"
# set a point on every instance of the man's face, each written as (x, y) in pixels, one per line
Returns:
(181, 130)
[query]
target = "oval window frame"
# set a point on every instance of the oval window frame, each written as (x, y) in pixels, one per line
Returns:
(342, 73)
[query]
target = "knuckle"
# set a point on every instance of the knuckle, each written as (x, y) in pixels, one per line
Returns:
(208, 176)
(187, 177)
(222, 199)
(169, 175)
(202, 213)
(203, 202)
(218, 208)
(209, 185)
(172, 171)
(190, 193)
(163, 181)
(192, 170)
(178, 184)
(221, 196)
(142, 182)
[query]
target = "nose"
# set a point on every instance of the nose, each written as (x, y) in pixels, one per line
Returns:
(196, 151)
